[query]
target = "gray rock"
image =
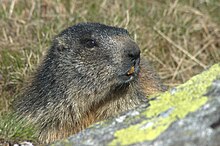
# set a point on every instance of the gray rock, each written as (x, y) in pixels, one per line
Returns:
(188, 115)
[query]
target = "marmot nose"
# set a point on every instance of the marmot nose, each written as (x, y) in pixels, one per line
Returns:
(134, 53)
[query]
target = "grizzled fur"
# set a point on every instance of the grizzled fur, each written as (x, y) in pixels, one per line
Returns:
(83, 79)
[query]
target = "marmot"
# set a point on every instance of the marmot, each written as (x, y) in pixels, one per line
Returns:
(91, 72)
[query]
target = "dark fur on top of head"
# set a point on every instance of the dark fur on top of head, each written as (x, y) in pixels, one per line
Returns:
(83, 79)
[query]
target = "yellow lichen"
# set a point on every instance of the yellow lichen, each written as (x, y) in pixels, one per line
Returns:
(173, 106)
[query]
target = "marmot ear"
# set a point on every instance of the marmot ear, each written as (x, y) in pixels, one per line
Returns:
(60, 43)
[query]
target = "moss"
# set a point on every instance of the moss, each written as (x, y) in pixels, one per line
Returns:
(168, 108)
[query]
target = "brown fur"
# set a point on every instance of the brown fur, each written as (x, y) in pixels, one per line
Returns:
(149, 79)
(84, 79)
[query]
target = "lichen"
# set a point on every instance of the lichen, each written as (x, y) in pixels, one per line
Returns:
(168, 108)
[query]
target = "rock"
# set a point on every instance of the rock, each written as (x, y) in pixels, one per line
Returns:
(188, 115)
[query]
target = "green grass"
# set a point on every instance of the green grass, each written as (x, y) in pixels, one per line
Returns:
(14, 130)
(181, 38)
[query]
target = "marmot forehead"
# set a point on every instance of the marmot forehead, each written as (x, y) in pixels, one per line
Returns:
(94, 28)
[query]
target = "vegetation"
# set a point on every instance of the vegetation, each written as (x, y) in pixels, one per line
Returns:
(180, 37)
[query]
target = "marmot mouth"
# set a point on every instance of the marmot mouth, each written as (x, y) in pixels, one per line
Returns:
(130, 74)
(131, 71)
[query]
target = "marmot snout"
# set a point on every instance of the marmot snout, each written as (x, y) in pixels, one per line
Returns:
(90, 73)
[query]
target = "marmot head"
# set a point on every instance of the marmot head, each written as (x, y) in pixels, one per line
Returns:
(89, 59)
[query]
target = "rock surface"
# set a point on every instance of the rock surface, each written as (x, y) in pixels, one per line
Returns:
(188, 115)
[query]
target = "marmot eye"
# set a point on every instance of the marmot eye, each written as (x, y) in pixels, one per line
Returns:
(89, 43)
